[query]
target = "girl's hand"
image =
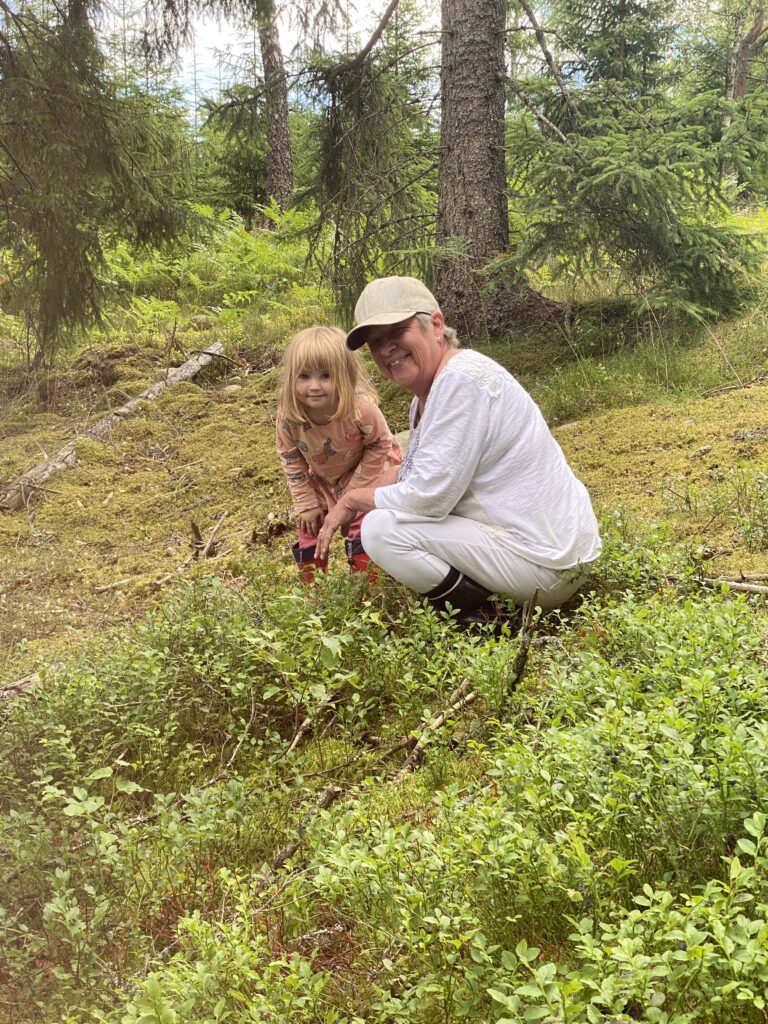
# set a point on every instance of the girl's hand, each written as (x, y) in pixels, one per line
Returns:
(311, 520)
(340, 515)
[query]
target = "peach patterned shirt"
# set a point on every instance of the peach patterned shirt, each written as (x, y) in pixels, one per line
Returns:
(322, 462)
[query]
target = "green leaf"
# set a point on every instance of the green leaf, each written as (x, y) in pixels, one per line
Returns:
(535, 1013)
(330, 653)
(502, 997)
(128, 786)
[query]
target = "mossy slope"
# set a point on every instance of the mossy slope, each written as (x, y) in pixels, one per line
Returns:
(112, 533)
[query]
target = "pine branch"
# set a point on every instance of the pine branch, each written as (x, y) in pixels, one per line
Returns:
(543, 121)
(541, 38)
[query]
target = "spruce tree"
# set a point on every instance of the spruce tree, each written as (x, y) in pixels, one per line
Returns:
(374, 150)
(77, 161)
(613, 172)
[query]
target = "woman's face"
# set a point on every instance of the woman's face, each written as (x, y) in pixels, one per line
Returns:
(409, 353)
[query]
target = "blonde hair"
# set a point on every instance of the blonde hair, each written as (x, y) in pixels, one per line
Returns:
(324, 349)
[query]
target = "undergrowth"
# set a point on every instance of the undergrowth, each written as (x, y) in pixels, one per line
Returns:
(589, 847)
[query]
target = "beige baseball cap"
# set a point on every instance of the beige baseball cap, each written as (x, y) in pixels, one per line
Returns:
(389, 300)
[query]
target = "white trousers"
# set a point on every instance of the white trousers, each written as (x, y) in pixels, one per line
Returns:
(419, 554)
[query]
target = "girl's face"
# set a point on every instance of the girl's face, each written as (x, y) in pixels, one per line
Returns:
(316, 393)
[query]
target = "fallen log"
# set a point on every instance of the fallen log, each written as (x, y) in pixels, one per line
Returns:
(17, 494)
(737, 585)
(10, 691)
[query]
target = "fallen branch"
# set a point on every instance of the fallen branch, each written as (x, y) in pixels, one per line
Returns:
(17, 494)
(458, 700)
(742, 588)
(330, 702)
(10, 691)
(214, 531)
(115, 585)
(301, 732)
(760, 379)
(328, 796)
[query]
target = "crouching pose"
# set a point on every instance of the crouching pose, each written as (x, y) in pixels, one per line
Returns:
(485, 501)
(331, 438)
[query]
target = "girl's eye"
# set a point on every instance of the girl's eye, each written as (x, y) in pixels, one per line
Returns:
(303, 376)
(325, 376)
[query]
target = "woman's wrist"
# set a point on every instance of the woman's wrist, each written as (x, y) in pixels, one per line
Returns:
(361, 499)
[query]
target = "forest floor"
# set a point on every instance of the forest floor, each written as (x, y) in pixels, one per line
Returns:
(108, 537)
(213, 804)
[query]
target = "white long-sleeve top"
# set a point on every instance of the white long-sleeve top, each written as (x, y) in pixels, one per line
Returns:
(482, 450)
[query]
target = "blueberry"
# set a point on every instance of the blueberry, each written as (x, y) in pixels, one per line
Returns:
(753, 794)
(717, 784)
(682, 945)
(639, 795)
(707, 778)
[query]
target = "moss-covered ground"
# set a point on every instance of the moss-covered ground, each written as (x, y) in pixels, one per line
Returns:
(106, 538)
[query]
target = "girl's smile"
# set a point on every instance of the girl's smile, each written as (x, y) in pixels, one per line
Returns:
(315, 391)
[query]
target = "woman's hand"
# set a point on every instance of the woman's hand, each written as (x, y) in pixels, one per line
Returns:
(342, 514)
(361, 499)
(311, 519)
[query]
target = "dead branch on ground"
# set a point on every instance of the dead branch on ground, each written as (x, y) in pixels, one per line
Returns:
(18, 493)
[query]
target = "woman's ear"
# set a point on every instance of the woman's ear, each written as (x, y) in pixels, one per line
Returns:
(438, 323)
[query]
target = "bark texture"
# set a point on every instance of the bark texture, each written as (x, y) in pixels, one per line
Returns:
(279, 150)
(472, 199)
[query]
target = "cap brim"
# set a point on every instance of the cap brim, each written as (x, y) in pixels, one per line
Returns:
(358, 336)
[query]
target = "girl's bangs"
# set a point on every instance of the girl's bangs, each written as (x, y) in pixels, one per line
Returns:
(317, 354)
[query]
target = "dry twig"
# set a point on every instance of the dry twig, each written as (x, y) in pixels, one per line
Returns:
(527, 629)
(328, 796)
(458, 699)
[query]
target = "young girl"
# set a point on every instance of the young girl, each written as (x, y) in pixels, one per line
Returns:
(331, 436)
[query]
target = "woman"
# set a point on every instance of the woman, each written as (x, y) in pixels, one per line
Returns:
(484, 501)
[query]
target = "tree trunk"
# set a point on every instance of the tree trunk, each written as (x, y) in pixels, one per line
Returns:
(472, 199)
(279, 151)
(744, 53)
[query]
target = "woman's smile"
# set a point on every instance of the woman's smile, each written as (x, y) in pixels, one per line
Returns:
(411, 353)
